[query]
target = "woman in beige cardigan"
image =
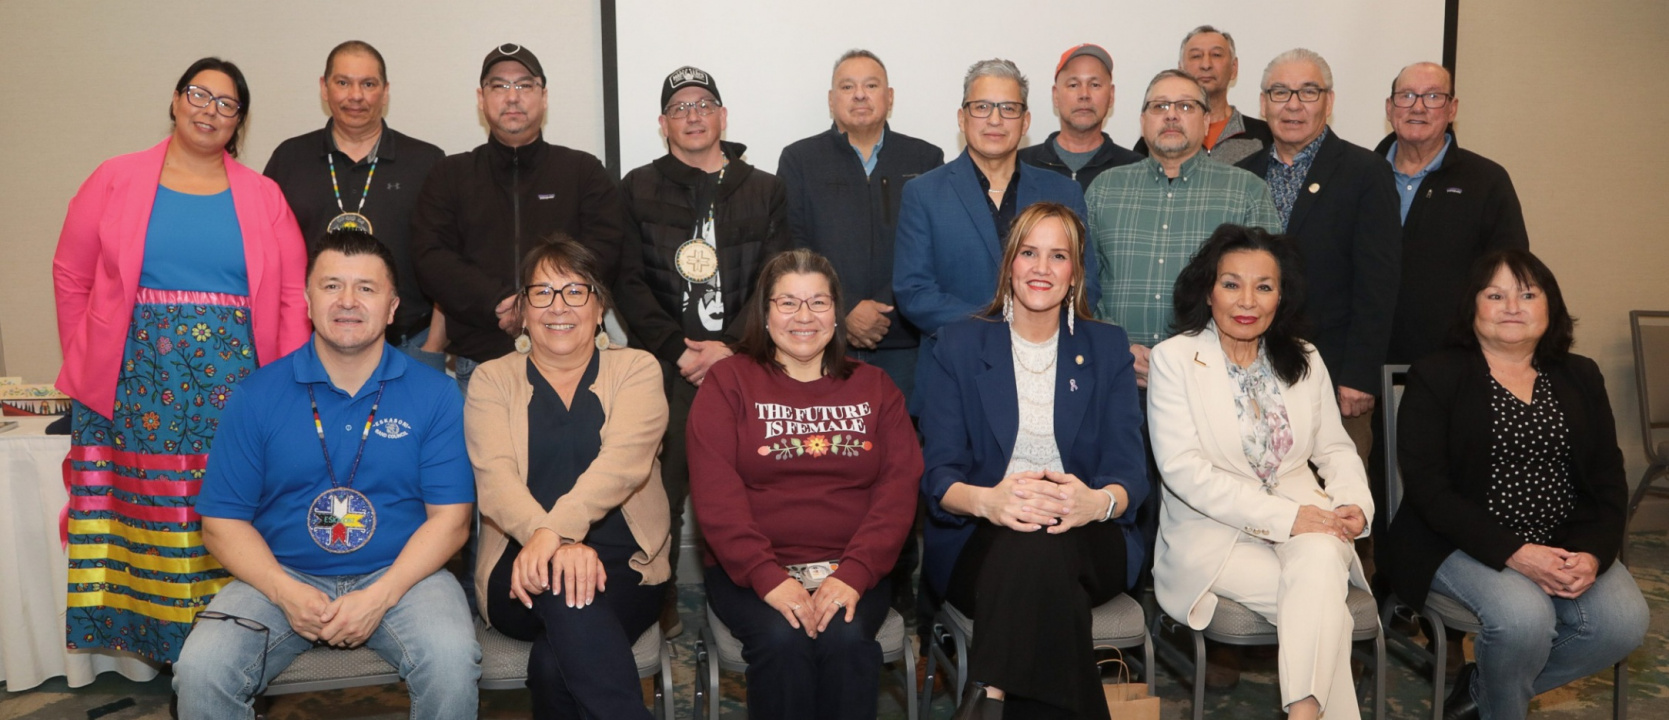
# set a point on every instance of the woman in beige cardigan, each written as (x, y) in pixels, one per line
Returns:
(574, 532)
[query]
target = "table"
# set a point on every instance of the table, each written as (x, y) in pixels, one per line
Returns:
(34, 569)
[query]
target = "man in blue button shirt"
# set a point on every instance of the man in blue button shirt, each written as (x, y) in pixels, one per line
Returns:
(338, 486)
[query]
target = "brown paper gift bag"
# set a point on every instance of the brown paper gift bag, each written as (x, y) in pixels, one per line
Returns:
(1127, 700)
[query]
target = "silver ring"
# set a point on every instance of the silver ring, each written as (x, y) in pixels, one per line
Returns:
(795, 606)
(842, 605)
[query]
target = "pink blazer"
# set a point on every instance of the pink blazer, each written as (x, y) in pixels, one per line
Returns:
(95, 272)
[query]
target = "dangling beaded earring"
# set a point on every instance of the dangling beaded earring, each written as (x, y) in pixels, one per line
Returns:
(1071, 311)
(1008, 309)
(524, 344)
(602, 341)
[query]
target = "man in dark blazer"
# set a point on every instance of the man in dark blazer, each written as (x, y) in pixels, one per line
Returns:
(953, 220)
(1339, 201)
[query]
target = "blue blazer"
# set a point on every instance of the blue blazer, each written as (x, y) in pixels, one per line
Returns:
(946, 250)
(971, 416)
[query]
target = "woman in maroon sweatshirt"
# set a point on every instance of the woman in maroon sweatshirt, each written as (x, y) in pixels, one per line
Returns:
(803, 472)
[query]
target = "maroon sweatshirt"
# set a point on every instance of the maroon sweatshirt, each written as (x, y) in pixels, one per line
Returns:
(784, 472)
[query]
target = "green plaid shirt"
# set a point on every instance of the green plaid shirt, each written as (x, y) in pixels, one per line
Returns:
(1146, 226)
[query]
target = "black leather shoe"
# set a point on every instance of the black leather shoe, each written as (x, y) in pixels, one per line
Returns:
(976, 705)
(1460, 705)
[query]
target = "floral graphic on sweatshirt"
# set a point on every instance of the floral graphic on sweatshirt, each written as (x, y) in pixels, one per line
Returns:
(817, 446)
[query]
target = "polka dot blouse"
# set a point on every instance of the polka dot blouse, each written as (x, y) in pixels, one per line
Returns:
(1530, 487)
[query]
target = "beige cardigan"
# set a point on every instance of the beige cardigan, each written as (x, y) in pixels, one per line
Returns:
(626, 473)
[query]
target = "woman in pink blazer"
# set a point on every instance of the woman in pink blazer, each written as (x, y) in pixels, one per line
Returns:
(178, 271)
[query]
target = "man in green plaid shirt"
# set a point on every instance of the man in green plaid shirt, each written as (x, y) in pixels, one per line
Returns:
(1148, 218)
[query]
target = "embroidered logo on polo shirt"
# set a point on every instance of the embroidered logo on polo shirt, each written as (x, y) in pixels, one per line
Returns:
(392, 428)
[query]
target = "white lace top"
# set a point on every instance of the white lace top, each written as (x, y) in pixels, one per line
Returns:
(1034, 381)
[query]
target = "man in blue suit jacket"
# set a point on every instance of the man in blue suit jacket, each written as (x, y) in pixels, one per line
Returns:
(953, 219)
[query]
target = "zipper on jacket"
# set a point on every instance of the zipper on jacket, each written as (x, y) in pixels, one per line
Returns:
(515, 210)
(886, 201)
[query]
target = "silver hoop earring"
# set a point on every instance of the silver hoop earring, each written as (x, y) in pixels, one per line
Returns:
(1008, 309)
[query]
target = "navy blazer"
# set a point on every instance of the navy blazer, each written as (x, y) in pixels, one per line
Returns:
(946, 250)
(1349, 230)
(971, 413)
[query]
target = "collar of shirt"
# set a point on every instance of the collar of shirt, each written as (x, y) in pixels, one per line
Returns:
(874, 153)
(1407, 185)
(386, 146)
(310, 370)
(1286, 180)
(1001, 215)
(1182, 172)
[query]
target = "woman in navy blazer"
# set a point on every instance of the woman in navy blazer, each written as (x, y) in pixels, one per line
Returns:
(1033, 456)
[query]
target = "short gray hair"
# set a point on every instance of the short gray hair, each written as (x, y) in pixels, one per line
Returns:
(996, 68)
(1299, 55)
(1201, 30)
(857, 53)
(1205, 100)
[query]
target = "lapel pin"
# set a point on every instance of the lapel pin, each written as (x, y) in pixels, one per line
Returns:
(1080, 359)
(1198, 361)
(1072, 383)
(1315, 188)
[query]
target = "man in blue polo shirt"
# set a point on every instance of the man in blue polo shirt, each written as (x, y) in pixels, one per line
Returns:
(338, 486)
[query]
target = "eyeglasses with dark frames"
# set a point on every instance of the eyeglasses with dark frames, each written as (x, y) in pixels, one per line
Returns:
(1433, 100)
(224, 105)
(1306, 94)
(702, 108)
(544, 295)
(245, 623)
(1006, 110)
(789, 305)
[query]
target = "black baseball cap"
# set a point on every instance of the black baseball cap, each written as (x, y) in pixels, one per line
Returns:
(514, 52)
(684, 77)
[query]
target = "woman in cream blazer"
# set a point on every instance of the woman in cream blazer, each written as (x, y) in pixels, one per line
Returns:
(1277, 542)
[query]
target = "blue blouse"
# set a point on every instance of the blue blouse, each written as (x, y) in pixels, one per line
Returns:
(193, 243)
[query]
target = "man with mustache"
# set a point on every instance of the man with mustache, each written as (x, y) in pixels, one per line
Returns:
(700, 223)
(482, 210)
(1083, 97)
(338, 486)
(359, 171)
(1208, 56)
(1336, 199)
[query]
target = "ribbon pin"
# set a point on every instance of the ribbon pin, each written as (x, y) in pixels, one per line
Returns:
(1073, 384)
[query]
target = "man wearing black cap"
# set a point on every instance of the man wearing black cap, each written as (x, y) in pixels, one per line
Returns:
(481, 211)
(700, 223)
(1083, 98)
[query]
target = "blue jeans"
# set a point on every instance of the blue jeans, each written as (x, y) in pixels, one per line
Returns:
(1533, 642)
(413, 346)
(428, 636)
(463, 369)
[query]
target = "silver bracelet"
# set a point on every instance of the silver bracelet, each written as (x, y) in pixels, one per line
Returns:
(1112, 504)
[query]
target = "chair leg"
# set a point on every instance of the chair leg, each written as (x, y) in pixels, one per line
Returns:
(1439, 663)
(927, 678)
(1379, 674)
(1151, 666)
(961, 642)
(911, 711)
(1619, 691)
(664, 696)
(1199, 674)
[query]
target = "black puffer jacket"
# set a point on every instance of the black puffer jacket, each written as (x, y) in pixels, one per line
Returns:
(751, 224)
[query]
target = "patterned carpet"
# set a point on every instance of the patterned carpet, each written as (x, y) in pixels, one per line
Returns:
(1256, 698)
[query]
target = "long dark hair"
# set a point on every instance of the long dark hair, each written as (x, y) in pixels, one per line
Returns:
(232, 71)
(1284, 340)
(756, 339)
(1555, 343)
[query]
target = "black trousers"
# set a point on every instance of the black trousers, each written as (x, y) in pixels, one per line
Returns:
(581, 665)
(836, 676)
(675, 462)
(1030, 594)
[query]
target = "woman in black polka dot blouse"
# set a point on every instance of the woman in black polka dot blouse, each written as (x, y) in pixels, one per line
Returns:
(1514, 494)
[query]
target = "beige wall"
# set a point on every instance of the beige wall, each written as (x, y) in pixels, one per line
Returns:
(1570, 97)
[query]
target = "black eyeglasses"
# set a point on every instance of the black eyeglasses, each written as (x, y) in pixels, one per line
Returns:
(702, 108)
(1183, 107)
(1006, 110)
(224, 105)
(1433, 100)
(543, 296)
(247, 624)
(1306, 94)
(789, 305)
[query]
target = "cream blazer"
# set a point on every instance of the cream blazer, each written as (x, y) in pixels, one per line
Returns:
(626, 473)
(1212, 497)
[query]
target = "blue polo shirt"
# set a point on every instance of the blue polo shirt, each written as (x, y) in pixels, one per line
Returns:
(267, 467)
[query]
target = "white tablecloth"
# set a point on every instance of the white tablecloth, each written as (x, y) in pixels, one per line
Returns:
(34, 570)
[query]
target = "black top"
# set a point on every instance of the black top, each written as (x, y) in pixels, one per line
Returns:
(698, 294)
(1529, 462)
(563, 442)
(1110, 155)
(301, 168)
(1001, 215)
(852, 218)
(1444, 444)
